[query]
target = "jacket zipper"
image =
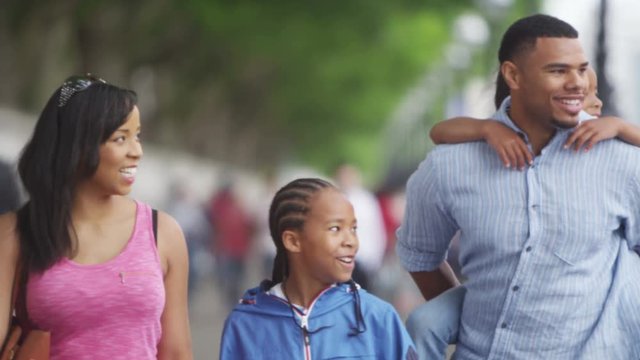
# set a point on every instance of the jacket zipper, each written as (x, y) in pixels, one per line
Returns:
(304, 325)
(304, 321)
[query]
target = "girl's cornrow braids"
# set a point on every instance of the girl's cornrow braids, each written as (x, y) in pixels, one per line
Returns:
(288, 211)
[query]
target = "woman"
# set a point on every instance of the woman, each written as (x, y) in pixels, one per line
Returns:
(97, 277)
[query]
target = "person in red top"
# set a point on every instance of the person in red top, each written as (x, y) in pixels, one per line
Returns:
(232, 231)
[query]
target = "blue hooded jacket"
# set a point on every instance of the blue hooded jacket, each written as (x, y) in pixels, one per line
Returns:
(262, 326)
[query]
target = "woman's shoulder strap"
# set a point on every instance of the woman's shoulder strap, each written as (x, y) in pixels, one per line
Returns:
(154, 217)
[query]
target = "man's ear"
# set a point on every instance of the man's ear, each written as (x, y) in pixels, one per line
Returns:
(291, 241)
(511, 74)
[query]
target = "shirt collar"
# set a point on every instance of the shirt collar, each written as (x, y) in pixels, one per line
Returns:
(502, 115)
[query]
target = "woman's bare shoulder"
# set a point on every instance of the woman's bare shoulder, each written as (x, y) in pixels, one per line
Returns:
(8, 224)
(8, 236)
(171, 241)
(168, 226)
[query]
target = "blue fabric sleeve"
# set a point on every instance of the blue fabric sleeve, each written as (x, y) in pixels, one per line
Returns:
(427, 228)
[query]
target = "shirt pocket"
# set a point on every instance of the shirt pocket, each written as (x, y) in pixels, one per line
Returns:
(573, 242)
(572, 252)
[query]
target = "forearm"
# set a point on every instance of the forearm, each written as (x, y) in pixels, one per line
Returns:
(457, 130)
(434, 283)
(629, 133)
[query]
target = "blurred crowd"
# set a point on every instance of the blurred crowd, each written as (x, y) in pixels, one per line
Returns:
(229, 241)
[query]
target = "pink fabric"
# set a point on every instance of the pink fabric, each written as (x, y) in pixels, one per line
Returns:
(104, 311)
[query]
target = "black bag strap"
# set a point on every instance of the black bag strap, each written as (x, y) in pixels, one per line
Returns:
(17, 286)
(19, 292)
(154, 217)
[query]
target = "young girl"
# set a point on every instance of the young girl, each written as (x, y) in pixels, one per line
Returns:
(95, 275)
(311, 309)
(435, 324)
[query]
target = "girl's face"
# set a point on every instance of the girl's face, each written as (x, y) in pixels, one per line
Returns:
(593, 104)
(119, 157)
(329, 242)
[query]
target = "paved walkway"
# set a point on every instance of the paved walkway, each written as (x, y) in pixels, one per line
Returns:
(206, 314)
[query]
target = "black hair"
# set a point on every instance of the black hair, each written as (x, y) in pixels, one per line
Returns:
(64, 149)
(288, 211)
(521, 36)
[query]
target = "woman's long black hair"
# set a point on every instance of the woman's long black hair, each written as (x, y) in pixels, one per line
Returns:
(64, 150)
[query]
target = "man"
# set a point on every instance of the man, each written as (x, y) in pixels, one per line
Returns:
(548, 251)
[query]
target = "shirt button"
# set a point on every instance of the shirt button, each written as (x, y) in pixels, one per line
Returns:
(516, 288)
(528, 249)
(504, 325)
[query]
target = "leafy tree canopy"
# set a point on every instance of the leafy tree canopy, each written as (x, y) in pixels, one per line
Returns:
(247, 82)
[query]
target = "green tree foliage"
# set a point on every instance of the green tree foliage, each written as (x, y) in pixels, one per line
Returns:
(247, 82)
(319, 79)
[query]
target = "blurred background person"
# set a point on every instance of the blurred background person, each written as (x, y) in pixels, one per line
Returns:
(371, 231)
(264, 249)
(232, 231)
(188, 212)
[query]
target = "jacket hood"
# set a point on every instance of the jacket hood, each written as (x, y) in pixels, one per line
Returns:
(258, 300)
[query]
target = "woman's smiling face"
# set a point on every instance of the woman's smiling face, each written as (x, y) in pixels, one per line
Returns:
(119, 158)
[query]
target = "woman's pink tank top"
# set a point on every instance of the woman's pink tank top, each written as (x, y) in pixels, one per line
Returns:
(104, 311)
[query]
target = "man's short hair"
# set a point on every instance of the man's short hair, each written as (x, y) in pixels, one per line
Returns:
(522, 34)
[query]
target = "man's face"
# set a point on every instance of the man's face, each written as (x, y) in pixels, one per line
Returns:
(552, 82)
